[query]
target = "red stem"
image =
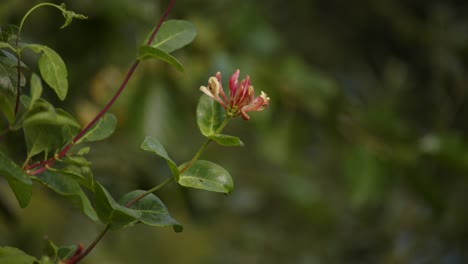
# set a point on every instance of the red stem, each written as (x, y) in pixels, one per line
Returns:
(130, 72)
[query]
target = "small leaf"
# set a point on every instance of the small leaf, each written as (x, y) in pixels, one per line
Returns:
(226, 140)
(210, 115)
(101, 130)
(153, 211)
(19, 182)
(173, 35)
(36, 89)
(208, 176)
(69, 188)
(52, 69)
(83, 151)
(111, 212)
(146, 52)
(11, 255)
(76, 160)
(153, 145)
(5, 45)
(69, 15)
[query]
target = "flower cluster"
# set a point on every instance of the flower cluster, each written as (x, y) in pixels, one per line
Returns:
(241, 95)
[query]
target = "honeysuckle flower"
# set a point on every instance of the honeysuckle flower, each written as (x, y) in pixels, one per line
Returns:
(241, 95)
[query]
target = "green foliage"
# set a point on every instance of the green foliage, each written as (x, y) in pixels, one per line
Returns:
(13, 255)
(145, 52)
(9, 72)
(7, 108)
(19, 182)
(36, 90)
(100, 130)
(112, 213)
(173, 35)
(207, 176)
(210, 116)
(48, 130)
(153, 211)
(226, 140)
(69, 15)
(59, 253)
(52, 69)
(69, 188)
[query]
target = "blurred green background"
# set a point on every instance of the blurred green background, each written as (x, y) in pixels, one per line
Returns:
(361, 157)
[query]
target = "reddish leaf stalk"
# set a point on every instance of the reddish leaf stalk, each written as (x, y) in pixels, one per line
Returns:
(63, 152)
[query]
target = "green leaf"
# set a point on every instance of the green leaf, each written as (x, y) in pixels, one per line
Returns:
(83, 151)
(11, 60)
(101, 130)
(146, 52)
(5, 45)
(42, 138)
(153, 211)
(69, 188)
(6, 108)
(55, 118)
(9, 73)
(111, 212)
(19, 182)
(51, 249)
(66, 252)
(173, 35)
(11, 255)
(76, 160)
(210, 115)
(48, 131)
(226, 140)
(153, 145)
(52, 69)
(82, 174)
(36, 89)
(208, 176)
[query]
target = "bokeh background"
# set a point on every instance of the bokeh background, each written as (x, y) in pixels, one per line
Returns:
(361, 157)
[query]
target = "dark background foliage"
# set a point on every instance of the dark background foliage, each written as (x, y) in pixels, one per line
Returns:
(362, 156)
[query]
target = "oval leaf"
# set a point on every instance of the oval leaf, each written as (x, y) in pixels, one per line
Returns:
(52, 69)
(13, 255)
(153, 145)
(111, 212)
(101, 130)
(173, 35)
(146, 52)
(67, 186)
(153, 211)
(228, 141)
(19, 182)
(55, 118)
(210, 115)
(208, 176)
